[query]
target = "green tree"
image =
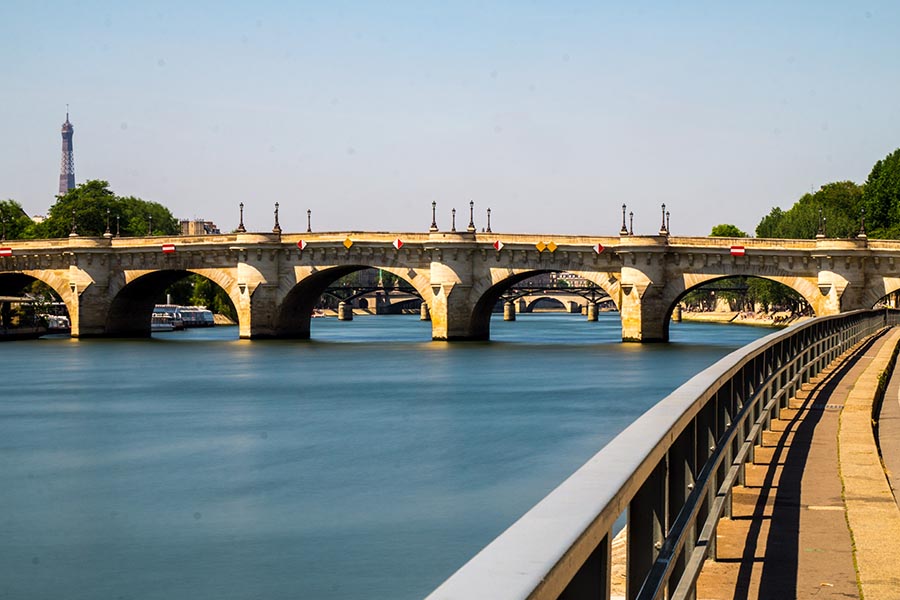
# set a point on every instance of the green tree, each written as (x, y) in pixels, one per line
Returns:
(196, 290)
(834, 207)
(882, 197)
(14, 221)
(727, 230)
(770, 225)
(772, 295)
(208, 294)
(90, 202)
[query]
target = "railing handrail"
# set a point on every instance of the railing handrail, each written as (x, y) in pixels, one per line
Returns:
(538, 555)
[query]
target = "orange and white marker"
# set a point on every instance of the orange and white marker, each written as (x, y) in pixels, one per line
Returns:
(398, 243)
(168, 248)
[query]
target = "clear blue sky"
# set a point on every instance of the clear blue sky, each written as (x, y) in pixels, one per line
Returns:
(551, 113)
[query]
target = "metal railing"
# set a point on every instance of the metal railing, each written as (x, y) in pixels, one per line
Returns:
(672, 471)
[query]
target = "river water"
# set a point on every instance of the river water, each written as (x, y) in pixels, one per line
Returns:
(368, 462)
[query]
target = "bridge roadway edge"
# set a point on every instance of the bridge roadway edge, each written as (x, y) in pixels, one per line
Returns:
(823, 525)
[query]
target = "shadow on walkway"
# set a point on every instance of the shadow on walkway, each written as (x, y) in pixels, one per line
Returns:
(780, 564)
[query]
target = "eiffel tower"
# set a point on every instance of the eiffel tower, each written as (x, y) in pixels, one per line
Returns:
(67, 167)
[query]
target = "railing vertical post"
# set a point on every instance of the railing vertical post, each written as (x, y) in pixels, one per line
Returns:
(646, 528)
(791, 384)
(740, 389)
(704, 425)
(592, 581)
(725, 401)
(682, 474)
(764, 398)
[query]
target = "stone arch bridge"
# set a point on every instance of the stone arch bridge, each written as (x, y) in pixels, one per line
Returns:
(274, 280)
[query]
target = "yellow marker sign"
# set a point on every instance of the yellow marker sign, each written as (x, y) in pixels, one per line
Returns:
(347, 243)
(541, 246)
(551, 247)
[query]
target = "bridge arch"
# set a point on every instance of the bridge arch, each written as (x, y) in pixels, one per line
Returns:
(680, 288)
(879, 289)
(14, 282)
(294, 308)
(545, 300)
(132, 301)
(485, 294)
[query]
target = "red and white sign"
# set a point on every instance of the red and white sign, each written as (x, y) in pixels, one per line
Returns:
(737, 251)
(398, 243)
(598, 248)
(498, 245)
(168, 248)
(5, 251)
(302, 245)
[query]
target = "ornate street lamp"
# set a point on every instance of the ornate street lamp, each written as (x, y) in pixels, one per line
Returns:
(240, 227)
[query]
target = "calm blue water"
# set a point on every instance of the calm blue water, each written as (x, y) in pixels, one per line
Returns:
(368, 462)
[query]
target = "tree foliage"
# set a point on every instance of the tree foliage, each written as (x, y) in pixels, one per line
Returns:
(90, 202)
(746, 293)
(196, 290)
(208, 294)
(14, 221)
(727, 230)
(770, 225)
(882, 197)
(835, 208)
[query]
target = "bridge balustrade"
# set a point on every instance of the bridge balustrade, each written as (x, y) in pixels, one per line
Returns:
(671, 471)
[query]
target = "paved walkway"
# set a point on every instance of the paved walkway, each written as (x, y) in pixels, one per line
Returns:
(817, 472)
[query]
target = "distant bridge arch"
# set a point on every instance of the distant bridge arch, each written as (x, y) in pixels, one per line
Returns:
(529, 303)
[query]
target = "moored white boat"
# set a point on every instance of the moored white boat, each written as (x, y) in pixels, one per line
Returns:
(161, 322)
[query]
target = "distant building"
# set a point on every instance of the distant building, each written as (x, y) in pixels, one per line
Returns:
(198, 227)
(67, 167)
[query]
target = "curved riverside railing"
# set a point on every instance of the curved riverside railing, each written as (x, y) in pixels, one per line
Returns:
(672, 470)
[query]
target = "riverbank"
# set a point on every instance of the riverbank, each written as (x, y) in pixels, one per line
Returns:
(777, 319)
